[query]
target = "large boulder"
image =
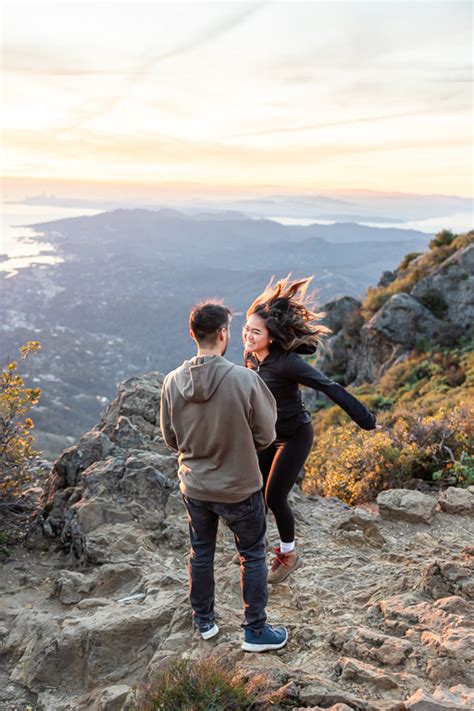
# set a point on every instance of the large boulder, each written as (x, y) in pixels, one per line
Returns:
(406, 505)
(453, 285)
(403, 320)
(385, 338)
(340, 311)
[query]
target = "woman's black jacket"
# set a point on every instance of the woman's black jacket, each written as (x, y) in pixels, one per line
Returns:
(282, 371)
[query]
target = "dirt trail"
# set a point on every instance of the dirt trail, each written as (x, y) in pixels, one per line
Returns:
(379, 610)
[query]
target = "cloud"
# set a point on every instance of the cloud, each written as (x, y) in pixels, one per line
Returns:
(163, 150)
(209, 34)
(334, 124)
(131, 76)
(44, 62)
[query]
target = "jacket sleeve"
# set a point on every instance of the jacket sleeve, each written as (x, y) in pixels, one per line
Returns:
(298, 370)
(167, 430)
(263, 414)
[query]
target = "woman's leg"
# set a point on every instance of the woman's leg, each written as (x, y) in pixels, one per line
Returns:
(265, 461)
(287, 463)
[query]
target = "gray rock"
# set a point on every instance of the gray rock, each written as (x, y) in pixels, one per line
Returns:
(354, 670)
(339, 311)
(441, 699)
(114, 643)
(402, 320)
(443, 578)
(116, 475)
(454, 281)
(367, 644)
(112, 698)
(457, 501)
(406, 505)
(70, 587)
(322, 691)
(359, 519)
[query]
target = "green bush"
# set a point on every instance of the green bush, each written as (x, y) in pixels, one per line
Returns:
(442, 239)
(200, 685)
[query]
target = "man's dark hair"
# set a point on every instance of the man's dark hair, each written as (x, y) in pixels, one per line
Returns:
(206, 319)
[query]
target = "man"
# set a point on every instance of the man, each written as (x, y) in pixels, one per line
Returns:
(215, 414)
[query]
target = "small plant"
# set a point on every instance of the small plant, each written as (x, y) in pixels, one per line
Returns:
(459, 473)
(199, 685)
(4, 545)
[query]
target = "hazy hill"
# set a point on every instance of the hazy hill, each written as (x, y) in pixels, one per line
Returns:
(118, 303)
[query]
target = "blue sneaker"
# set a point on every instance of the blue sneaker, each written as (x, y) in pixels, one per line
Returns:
(269, 638)
(208, 631)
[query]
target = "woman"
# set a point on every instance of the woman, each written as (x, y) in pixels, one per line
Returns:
(280, 325)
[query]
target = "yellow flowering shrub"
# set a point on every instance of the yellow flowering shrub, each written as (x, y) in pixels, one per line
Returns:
(355, 465)
(16, 438)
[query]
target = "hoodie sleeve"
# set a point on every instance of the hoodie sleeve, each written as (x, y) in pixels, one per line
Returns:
(167, 430)
(299, 371)
(263, 414)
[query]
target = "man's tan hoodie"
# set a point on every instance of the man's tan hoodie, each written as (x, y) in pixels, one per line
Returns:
(216, 414)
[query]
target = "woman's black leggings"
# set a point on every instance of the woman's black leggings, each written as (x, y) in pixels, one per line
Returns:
(280, 465)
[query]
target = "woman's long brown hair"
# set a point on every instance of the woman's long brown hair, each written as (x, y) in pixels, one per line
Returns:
(285, 306)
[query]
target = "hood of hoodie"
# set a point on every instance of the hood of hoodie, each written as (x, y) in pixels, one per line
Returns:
(198, 379)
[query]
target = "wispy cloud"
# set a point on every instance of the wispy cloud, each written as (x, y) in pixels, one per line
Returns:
(164, 150)
(201, 38)
(45, 62)
(334, 124)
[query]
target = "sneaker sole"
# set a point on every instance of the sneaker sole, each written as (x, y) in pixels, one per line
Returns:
(209, 634)
(248, 647)
(297, 565)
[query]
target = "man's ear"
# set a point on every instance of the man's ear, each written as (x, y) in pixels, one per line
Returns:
(192, 334)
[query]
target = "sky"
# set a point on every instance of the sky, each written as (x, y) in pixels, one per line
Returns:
(308, 95)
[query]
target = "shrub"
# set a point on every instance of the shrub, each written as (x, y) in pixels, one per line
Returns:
(356, 466)
(407, 259)
(16, 439)
(199, 685)
(442, 239)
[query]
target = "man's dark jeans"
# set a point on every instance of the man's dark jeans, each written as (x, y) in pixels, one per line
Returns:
(246, 519)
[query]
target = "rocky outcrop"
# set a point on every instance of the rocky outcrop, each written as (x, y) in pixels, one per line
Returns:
(108, 494)
(452, 285)
(438, 309)
(339, 311)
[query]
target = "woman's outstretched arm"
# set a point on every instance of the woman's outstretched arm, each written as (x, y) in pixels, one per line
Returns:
(296, 369)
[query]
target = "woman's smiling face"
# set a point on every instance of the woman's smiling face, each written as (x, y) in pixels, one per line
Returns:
(256, 337)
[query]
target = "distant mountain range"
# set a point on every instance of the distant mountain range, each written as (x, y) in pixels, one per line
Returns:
(118, 303)
(338, 205)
